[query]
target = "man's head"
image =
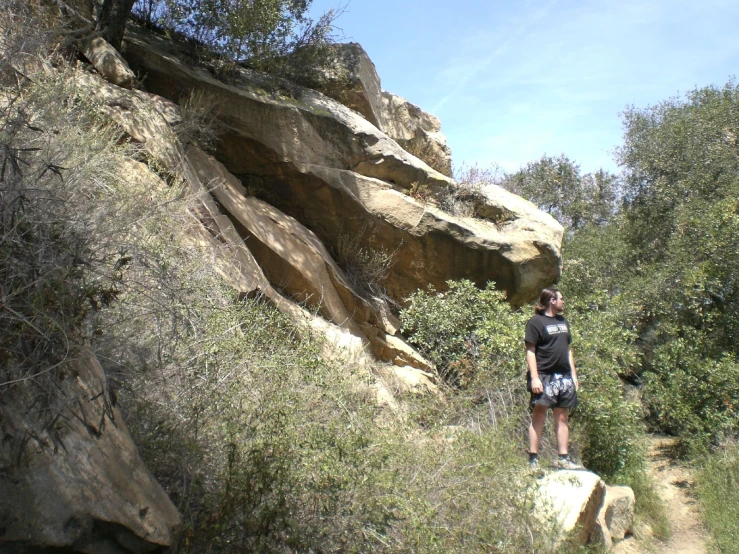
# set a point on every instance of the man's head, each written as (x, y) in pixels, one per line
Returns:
(550, 300)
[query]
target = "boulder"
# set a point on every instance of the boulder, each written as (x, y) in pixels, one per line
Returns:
(600, 535)
(416, 131)
(615, 517)
(618, 508)
(109, 63)
(409, 380)
(566, 503)
(353, 81)
(321, 163)
(70, 476)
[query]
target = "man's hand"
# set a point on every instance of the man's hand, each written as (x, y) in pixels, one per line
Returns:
(536, 386)
(577, 383)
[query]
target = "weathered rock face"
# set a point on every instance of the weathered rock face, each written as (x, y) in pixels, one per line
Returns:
(619, 511)
(336, 173)
(616, 517)
(294, 260)
(429, 245)
(354, 82)
(79, 485)
(109, 63)
(416, 131)
(257, 248)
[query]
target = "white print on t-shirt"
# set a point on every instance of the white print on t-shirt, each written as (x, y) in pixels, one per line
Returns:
(559, 384)
(557, 329)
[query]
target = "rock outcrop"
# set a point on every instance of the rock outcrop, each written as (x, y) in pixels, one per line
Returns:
(109, 63)
(336, 173)
(416, 131)
(616, 516)
(293, 259)
(257, 248)
(75, 483)
(353, 81)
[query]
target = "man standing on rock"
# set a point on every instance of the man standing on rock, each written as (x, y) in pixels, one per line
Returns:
(552, 379)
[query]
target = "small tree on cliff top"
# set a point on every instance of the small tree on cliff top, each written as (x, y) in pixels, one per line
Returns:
(265, 34)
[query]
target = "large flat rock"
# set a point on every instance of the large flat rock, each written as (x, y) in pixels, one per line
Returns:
(566, 504)
(79, 485)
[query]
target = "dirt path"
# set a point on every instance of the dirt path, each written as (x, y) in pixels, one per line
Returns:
(676, 487)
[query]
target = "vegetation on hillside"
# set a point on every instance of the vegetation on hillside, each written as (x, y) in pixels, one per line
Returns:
(265, 446)
(261, 443)
(717, 483)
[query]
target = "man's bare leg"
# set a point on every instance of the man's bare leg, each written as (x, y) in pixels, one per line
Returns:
(537, 427)
(561, 430)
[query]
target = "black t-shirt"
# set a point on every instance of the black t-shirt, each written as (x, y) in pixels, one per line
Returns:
(551, 336)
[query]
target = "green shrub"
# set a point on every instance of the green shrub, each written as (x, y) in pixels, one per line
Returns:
(717, 483)
(556, 186)
(650, 506)
(463, 329)
(692, 394)
(466, 493)
(611, 427)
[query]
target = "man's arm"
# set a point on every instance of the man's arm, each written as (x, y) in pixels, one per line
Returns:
(574, 373)
(536, 386)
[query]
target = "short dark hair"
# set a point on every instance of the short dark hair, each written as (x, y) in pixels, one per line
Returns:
(544, 298)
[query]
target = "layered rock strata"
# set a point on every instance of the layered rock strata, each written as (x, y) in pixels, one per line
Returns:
(257, 248)
(353, 81)
(331, 169)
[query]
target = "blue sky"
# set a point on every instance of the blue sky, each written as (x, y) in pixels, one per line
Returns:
(512, 81)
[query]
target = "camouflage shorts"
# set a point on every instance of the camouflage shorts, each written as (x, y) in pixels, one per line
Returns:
(559, 391)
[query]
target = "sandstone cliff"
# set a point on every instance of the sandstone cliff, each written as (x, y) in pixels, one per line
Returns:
(337, 173)
(291, 177)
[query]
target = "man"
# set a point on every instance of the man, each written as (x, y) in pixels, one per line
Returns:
(552, 379)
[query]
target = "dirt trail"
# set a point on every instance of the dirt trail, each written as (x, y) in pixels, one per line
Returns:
(676, 487)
